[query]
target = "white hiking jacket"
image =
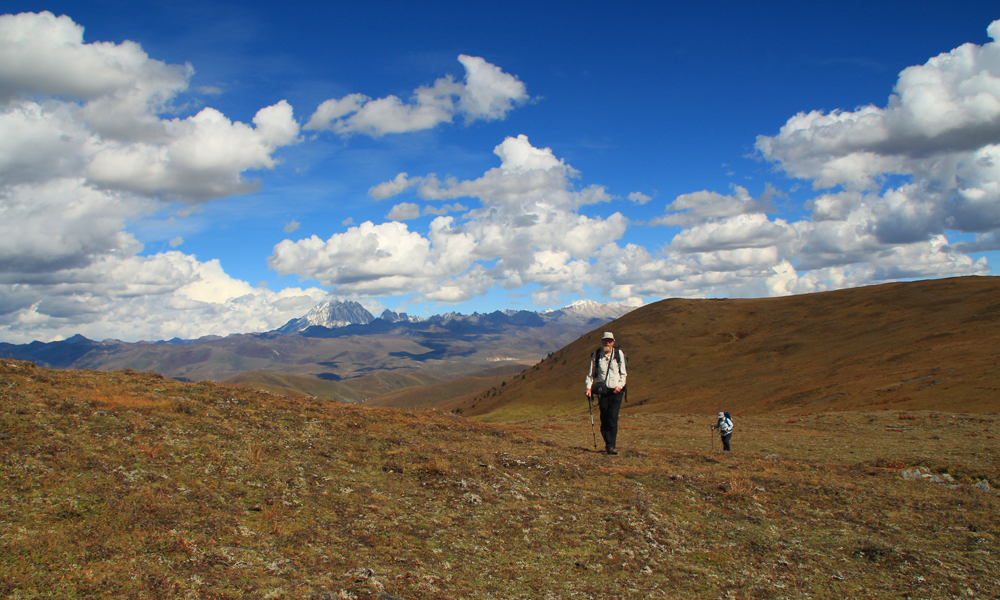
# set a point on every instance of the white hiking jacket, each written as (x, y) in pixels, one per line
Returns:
(616, 376)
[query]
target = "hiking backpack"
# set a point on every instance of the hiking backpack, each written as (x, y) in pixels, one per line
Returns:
(728, 420)
(619, 355)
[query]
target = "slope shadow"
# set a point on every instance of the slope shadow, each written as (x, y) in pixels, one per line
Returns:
(437, 351)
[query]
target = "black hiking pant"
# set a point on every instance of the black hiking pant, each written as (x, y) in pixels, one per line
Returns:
(610, 404)
(725, 441)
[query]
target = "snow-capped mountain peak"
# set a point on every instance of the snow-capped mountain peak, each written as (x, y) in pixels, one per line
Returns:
(330, 314)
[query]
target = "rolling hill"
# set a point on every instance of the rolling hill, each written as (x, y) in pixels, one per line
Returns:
(916, 345)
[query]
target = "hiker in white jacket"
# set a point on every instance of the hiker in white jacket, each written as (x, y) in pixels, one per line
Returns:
(606, 377)
(725, 427)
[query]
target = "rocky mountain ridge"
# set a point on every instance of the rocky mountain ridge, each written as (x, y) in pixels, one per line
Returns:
(357, 344)
(329, 314)
(343, 313)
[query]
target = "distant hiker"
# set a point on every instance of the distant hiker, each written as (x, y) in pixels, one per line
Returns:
(725, 427)
(605, 380)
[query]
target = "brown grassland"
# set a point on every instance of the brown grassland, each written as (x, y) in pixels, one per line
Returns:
(121, 484)
(924, 345)
(129, 485)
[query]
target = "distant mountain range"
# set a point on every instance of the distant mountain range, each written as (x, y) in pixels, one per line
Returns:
(341, 340)
(339, 314)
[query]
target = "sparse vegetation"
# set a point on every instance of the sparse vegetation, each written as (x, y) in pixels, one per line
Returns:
(129, 485)
(434, 395)
(905, 346)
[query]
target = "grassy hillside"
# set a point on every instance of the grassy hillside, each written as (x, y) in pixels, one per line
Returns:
(434, 395)
(413, 388)
(923, 345)
(130, 485)
(353, 390)
(290, 385)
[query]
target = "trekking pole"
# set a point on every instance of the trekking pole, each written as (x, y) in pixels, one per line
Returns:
(711, 433)
(590, 403)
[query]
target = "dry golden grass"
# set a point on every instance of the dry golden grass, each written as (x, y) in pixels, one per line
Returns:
(128, 485)
(923, 345)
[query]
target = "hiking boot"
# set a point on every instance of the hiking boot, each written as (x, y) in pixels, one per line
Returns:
(612, 452)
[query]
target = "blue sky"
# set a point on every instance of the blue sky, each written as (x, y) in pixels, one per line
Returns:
(183, 169)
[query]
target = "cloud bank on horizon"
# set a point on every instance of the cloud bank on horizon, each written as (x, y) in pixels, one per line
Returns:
(92, 141)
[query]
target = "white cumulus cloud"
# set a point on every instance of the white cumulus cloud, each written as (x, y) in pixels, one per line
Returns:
(527, 229)
(940, 129)
(936, 140)
(696, 207)
(404, 211)
(487, 93)
(153, 298)
(639, 197)
(89, 142)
